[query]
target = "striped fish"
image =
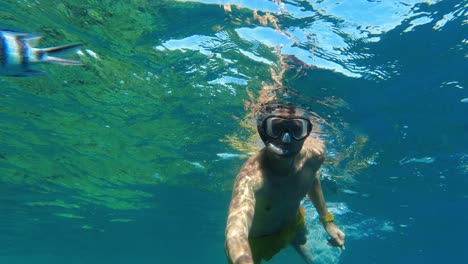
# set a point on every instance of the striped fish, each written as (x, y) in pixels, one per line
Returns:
(18, 53)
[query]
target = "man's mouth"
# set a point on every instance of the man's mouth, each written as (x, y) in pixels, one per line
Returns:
(277, 150)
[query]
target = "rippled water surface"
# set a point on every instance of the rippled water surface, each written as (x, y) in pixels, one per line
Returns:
(130, 158)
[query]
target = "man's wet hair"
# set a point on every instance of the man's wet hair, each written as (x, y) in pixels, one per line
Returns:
(268, 109)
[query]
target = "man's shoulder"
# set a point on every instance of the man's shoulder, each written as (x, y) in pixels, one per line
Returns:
(251, 171)
(314, 148)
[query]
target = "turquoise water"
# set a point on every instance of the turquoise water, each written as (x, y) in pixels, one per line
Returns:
(130, 158)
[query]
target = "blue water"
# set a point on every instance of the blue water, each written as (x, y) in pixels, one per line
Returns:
(128, 159)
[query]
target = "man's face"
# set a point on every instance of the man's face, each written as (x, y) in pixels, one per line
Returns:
(286, 131)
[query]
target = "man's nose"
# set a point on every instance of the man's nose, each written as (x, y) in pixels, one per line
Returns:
(286, 138)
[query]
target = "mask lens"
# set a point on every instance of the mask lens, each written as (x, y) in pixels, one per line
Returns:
(276, 126)
(298, 128)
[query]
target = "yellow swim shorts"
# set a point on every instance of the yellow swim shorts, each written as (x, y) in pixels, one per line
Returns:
(267, 246)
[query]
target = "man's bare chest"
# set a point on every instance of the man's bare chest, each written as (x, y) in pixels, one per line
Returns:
(277, 202)
(285, 189)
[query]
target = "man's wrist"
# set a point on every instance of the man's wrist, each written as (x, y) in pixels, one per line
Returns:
(327, 218)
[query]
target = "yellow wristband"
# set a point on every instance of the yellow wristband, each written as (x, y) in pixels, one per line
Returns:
(328, 218)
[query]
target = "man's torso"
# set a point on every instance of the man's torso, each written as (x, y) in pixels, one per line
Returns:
(278, 194)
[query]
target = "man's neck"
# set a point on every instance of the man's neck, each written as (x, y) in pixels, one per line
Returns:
(283, 165)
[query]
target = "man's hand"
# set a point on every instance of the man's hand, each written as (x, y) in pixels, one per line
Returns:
(337, 236)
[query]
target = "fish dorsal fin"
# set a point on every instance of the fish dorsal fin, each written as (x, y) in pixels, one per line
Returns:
(32, 40)
(16, 33)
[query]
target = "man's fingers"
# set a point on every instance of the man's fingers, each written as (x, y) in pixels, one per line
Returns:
(336, 242)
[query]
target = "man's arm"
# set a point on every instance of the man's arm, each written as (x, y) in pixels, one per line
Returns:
(241, 211)
(316, 196)
(316, 155)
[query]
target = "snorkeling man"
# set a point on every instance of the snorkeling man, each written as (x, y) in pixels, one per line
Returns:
(265, 215)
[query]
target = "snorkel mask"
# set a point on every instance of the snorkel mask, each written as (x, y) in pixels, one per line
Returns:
(283, 129)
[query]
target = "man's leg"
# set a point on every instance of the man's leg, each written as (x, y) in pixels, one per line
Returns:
(299, 245)
(303, 252)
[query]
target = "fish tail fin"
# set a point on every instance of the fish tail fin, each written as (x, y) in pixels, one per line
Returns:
(53, 54)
